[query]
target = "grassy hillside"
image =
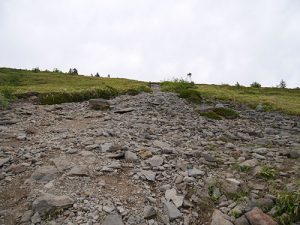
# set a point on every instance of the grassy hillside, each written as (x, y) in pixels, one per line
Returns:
(62, 87)
(281, 99)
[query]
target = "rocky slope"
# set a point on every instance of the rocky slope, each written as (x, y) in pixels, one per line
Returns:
(151, 159)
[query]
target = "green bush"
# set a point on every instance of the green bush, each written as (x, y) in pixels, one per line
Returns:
(3, 102)
(191, 95)
(6, 95)
(61, 97)
(226, 113)
(177, 85)
(7, 92)
(107, 93)
(288, 207)
(255, 85)
(211, 115)
(267, 172)
(184, 88)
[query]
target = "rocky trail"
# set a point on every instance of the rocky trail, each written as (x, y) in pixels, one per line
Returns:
(150, 159)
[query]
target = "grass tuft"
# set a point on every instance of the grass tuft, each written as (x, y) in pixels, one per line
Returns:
(211, 115)
(267, 172)
(185, 89)
(288, 207)
(226, 113)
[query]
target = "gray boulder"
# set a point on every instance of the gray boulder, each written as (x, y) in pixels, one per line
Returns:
(171, 210)
(113, 219)
(44, 174)
(48, 202)
(218, 218)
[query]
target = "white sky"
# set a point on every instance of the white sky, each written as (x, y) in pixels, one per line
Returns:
(218, 41)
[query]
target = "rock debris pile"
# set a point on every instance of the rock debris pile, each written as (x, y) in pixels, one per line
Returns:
(150, 159)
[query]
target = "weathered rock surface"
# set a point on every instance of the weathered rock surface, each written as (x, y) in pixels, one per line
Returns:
(45, 173)
(48, 202)
(171, 210)
(113, 219)
(257, 217)
(218, 218)
(152, 160)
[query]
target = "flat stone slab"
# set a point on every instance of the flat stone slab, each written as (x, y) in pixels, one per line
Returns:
(171, 210)
(44, 174)
(81, 171)
(48, 202)
(171, 195)
(113, 219)
(125, 110)
(150, 175)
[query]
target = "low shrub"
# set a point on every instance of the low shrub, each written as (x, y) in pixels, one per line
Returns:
(243, 169)
(184, 88)
(62, 97)
(191, 95)
(177, 85)
(255, 85)
(3, 102)
(7, 92)
(6, 96)
(107, 93)
(288, 207)
(267, 172)
(211, 115)
(226, 113)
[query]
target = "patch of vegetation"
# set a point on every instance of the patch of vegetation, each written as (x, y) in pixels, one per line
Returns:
(6, 96)
(211, 115)
(288, 207)
(53, 214)
(235, 214)
(267, 172)
(177, 85)
(239, 196)
(3, 102)
(214, 193)
(255, 85)
(226, 113)
(281, 99)
(185, 89)
(57, 87)
(243, 169)
(191, 95)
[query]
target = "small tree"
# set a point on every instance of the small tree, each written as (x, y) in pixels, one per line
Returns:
(73, 71)
(189, 76)
(282, 84)
(55, 70)
(97, 75)
(36, 69)
(255, 85)
(237, 84)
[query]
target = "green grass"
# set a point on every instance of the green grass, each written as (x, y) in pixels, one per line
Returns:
(185, 89)
(281, 99)
(288, 207)
(56, 87)
(210, 115)
(226, 113)
(267, 172)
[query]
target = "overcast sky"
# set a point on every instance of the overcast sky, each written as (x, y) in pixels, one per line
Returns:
(218, 41)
